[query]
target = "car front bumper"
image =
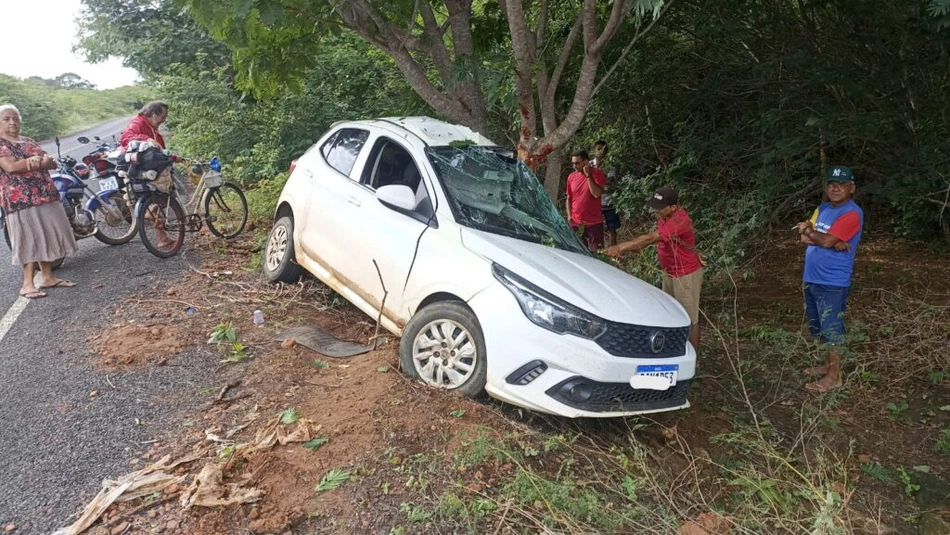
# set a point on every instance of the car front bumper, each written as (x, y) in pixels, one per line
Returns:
(565, 375)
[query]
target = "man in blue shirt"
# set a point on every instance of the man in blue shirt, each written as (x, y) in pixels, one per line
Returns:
(831, 235)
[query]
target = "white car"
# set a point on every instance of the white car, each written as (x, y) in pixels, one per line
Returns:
(458, 244)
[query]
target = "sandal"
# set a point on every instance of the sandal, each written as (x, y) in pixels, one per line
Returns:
(35, 294)
(61, 283)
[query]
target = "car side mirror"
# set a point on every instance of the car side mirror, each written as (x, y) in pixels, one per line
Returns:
(399, 197)
(82, 139)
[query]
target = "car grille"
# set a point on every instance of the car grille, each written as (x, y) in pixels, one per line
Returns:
(636, 341)
(617, 397)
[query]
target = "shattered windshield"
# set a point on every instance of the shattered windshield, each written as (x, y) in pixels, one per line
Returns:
(490, 190)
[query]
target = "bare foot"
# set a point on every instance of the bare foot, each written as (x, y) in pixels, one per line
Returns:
(825, 384)
(817, 370)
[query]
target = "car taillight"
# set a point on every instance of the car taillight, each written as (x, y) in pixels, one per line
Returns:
(293, 165)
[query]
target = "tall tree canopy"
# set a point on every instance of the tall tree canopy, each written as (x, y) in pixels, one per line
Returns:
(451, 52)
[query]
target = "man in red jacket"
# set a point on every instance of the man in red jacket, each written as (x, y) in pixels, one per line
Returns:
(144, 126)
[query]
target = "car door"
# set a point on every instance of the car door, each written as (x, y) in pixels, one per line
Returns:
(387, 238)
(334, 170)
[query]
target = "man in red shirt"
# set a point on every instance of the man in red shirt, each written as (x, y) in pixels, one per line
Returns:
(676, 251)
(584, 187)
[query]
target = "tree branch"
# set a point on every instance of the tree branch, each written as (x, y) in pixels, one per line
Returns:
(626, 50)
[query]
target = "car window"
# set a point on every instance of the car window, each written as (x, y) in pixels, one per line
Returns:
(491, 190)
(341, 150)
(390, 163)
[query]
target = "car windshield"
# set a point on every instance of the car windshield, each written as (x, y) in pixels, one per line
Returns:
(490, 190)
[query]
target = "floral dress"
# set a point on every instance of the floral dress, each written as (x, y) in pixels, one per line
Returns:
(19, 191)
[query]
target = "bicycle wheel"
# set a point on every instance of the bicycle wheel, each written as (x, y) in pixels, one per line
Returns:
(161, 222)
(225, 210)
(115, 223)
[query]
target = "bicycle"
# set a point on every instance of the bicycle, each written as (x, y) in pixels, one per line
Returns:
(163, 221)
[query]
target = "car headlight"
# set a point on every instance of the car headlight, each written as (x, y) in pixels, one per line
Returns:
(548, 311)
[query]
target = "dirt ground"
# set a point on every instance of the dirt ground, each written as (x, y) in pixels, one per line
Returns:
(378, 424)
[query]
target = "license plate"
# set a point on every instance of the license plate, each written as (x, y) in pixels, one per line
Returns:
(108, 183)
(655, 377)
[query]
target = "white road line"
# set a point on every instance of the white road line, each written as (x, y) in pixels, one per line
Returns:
(11, 316)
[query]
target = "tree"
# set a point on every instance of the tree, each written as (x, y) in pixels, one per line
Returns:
(444, 49)
(71, 80)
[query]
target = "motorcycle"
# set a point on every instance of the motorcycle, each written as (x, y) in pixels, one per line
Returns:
(105, 214)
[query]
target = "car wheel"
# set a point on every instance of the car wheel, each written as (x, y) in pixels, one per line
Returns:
(280, 265)
(443, 346)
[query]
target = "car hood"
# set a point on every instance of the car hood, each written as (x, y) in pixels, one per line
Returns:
(583, 281)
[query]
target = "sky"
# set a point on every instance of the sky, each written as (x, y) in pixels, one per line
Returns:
(43, 33)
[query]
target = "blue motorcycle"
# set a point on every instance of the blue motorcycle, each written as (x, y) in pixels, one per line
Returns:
(105, 214)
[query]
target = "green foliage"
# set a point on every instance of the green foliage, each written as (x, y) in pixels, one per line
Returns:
(910, 488)
(333, 479)
(877, 471)
(224, 337)
(414, 513)
(63, 105)
(943, 442)
(289, 416)
(314, 445)
(897, 410)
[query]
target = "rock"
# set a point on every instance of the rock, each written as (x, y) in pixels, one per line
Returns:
(94, 393)
(864, 458)
(172, 489)
(288, 343)
(151, 513)
(931, 524)
(171, 524)
(934, 491)
(120, 529)
(171, 291)
(156, 331)
(254, 514)
(9, 527)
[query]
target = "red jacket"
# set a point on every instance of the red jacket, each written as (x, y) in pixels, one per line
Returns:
(140, 129)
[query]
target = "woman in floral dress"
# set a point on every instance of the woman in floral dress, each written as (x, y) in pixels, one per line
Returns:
(36, 222)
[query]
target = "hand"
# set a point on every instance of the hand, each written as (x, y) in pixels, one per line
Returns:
(175, 158)
(803, 226)
(33, 163)
(842, 246)
(47, 162)
(614, 251)
(587, 169)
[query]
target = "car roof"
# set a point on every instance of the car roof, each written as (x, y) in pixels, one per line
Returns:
(432, 132)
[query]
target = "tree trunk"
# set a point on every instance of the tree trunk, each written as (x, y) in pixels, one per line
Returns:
(552, 175)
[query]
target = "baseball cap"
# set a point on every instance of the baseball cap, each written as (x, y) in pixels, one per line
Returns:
(663, 197)
(839, 173)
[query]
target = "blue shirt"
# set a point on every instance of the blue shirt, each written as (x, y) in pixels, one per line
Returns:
(826, 265)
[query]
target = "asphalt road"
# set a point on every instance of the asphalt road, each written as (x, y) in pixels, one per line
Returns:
(56, 442)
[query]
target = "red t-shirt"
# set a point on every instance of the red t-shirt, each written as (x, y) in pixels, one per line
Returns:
(676, 249)
(585, 208)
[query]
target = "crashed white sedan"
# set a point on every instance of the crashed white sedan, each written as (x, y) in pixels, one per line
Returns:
(458, 244)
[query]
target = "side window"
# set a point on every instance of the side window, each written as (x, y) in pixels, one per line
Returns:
(341, 150)
(390, 163)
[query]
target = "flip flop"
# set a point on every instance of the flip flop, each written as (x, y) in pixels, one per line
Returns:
(36, 294)
(820, 388)
(61, 283)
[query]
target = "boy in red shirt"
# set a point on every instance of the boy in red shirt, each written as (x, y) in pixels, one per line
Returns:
(584, 187)
(676, 251)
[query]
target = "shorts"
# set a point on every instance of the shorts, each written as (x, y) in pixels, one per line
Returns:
(611, 218)
(593, 235)
(825, 307)
(686, 290)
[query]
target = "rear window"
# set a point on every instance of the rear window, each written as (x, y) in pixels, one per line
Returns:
(343, 147)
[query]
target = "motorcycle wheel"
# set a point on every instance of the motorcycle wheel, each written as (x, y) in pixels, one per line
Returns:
(113, 231)
(159, 210)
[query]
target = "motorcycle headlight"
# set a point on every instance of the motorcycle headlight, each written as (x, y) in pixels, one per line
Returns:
(548, 311)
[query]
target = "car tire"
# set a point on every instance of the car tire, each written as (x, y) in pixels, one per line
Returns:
(426, 351)
(280, 263)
